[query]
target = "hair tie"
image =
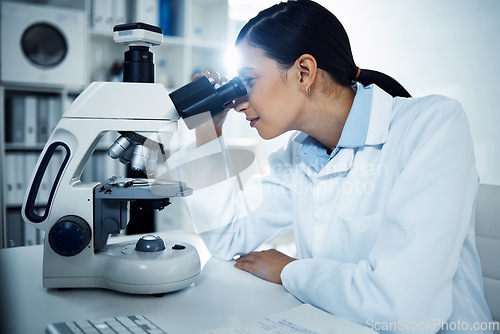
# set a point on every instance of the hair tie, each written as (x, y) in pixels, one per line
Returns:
(357, 74)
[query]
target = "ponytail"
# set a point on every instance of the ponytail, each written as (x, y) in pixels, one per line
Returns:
(387, 83)
(290, 29)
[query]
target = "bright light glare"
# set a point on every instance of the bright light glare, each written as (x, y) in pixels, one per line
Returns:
(231, 59)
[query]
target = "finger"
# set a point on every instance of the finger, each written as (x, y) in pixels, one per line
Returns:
(250, 257)
(200, 74)
(219, 81)
(248, 266)
(216, 76)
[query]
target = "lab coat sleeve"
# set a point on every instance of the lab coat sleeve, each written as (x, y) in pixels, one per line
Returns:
(231, 217)
(407, 278)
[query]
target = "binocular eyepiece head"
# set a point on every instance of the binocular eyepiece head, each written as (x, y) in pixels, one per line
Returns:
(198, 101)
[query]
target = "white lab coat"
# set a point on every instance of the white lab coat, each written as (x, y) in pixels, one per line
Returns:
(384, 227)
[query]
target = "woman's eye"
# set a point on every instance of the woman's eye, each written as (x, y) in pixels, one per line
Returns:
(248, 82)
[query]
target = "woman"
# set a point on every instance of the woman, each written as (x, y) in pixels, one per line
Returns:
(378, 187)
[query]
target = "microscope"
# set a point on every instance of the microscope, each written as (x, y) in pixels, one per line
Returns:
(78, 217)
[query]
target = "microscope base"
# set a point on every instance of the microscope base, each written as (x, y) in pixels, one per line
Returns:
(121, 268)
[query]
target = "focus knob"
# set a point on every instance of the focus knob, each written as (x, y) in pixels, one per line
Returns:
(150, 243)
(69, 235)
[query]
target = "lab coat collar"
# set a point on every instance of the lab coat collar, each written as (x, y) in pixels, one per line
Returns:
(380, 116)
(366, 125)
(369, 118)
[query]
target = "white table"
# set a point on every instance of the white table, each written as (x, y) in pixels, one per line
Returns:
(222, 295)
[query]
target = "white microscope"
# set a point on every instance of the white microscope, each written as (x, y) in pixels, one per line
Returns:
(79, 216)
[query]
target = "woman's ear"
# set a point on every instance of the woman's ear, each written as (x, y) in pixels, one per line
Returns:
(306, 68)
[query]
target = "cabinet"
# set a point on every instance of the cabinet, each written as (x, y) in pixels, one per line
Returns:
(197, 41)
(29, 114)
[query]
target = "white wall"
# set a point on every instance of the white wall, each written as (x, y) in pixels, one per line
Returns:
(449, 47)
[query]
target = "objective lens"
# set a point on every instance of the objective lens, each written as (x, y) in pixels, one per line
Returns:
(119, 146)
(140, 158)
(127, 155)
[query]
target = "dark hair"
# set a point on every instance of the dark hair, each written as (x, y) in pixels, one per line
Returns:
(290, 29)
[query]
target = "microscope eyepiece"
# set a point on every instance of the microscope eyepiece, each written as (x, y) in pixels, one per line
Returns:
(199, 98)
(232, 90)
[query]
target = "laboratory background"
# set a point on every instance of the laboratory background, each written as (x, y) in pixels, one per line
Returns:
(447, 47)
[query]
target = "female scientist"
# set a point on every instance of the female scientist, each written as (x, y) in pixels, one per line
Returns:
(378, 188)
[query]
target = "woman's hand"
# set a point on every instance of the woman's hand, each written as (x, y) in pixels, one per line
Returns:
(267, 264)
(211, 129)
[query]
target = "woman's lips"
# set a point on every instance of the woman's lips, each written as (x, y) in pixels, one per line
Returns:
(253, 121)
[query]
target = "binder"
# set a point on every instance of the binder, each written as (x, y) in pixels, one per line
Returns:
(42, 133)
(30, 119)
(54, 108)
(15, 119)
(102, 16)
(147, 11)
(165, 17)
(14, 228)
(119, 12)
(20, 177)
(10, 178)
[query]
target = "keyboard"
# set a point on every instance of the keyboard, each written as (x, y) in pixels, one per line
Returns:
(126, 324)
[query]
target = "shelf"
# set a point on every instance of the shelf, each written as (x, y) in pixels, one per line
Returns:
(24, 147)
(16, 206)
(208, 44)
(39, 88)
(173, 40)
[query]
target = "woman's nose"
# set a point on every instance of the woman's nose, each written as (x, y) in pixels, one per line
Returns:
(241, 104)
